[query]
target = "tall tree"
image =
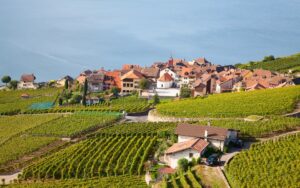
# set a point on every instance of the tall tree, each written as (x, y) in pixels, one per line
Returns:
(6, 79)
(66, 84)
(115, 91)
(156, 99)
(144, 83)
(85, 88)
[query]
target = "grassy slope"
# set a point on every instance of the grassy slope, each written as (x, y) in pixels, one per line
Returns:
(282, 64)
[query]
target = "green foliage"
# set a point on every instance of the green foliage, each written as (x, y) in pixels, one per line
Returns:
(13, 84)
(66, 84)
(185, 91)
(75, 124)
(241, 104)
(267, 164)
(76, 99)
(103, 155)
(115, 91)
(183, 164)
(14, 148)
(104, 182)
(282, 64)
(156, 99)
(6, 79)
(144, 83)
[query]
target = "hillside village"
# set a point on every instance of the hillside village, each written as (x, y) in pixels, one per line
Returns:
(173, 124)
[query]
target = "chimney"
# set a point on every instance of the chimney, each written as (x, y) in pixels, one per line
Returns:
(205, 135)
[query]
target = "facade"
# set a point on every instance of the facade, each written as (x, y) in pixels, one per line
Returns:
(27, 82)
(130, 81)
(95, 82)
(165, 81)
(61, 82)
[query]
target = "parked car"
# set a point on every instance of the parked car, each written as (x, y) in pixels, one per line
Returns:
(237, 143)
(212, 160)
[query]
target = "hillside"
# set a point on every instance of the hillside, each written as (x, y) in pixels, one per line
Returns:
(240, 104)
(280, 64)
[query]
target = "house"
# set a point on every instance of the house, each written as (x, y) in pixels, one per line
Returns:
(189, 149)
(27, 82)
(61, 82)
(194, 139)
(95, 82)
(165, 81)
(170, 72)
(112, 79)
(92, 100)
(130, 81)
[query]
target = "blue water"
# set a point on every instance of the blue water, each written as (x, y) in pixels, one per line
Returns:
(52, 38)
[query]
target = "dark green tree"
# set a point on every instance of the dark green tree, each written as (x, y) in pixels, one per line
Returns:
(60, 101)
(13, 84)
(115, 91)
(6, 79)
(183, 164)
(185, 91)
(66, 84)
(156, 99)
(268, 58)
(144, 84)
(85, 88)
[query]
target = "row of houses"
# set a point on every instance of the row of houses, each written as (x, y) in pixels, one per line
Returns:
(200, 75)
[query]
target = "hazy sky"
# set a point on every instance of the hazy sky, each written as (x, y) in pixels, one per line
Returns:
(52, 38)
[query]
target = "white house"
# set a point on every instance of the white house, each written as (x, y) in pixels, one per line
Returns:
(170, 72)
(61, 82)
(165, 81)
(27, 82)
(193, 140)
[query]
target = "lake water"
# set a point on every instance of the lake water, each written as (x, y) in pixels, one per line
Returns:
(52, 38)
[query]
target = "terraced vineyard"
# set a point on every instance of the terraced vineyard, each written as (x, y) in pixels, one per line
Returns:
(267, 126)
(130, 104)
(267, 164)
(15, 125)
(281, 64)
(77, 123)
(240, 104)
(140, 128)
(11, 102)
(188, 179)
(104, 182)
(99, 156)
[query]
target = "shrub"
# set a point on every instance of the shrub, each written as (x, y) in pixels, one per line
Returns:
(183, 164)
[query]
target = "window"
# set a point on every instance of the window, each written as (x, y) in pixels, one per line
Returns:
(124, 85)
(162, 85)
(191, 155)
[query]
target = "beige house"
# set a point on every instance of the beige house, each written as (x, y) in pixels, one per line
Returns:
(27, 82)
(130, 81)
(194, 139)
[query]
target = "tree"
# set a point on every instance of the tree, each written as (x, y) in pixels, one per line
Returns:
(60, 101)
(85, 88)
(183, 164)
(76, 99)
(6, 79)
(156, 99)
(13, 84)
(115, 91)
(268, 58)
(185, 91)
(66, 84)
(144, 84)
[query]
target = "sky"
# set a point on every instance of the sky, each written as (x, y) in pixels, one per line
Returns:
(54, 38)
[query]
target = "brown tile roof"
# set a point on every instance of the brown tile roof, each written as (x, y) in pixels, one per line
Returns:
(95, 78)
(166, 78)
(81, 79)
(198, 131)
(262, 73)
(27, 78)
(151, 72)
(130, 67)
(133, 74)
(195, 144)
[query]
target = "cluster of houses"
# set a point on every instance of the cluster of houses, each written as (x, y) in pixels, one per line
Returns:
(166, 78)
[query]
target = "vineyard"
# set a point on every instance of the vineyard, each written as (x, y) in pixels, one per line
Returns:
(240, 104)
(11, 102)
(14, 125)
(75, 124)
(21, 145)
(281, 64)
(100, 156)
(267, 164)
(140, 128)
(186, 180)
(260, 128)
(129, 104)
(104, 182)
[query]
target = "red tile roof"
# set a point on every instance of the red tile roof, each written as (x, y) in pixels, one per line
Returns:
(195, 144)
(133, 74)
(198, 131)
(27, 78)
(166, 78)
(166, 170)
